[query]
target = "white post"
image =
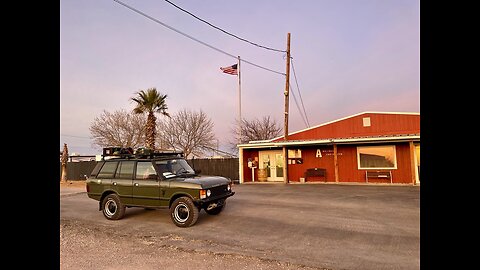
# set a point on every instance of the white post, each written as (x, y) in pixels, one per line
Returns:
(240, 165)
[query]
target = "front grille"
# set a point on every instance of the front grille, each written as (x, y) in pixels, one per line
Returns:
(220, 190)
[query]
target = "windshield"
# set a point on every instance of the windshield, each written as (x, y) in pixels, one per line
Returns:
(174, 167)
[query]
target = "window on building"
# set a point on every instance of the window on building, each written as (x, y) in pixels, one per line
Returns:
(295, 156)
(377, 157)
(366, 122)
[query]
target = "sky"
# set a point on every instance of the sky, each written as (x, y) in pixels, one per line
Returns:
(348, 57)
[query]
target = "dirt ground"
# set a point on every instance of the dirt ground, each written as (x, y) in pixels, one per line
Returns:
(78, 241)
(122, 251)
(86, 247)
(76, 183)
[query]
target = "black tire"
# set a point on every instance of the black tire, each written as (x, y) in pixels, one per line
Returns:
(183, 212)
(216, 210)
(112, 207)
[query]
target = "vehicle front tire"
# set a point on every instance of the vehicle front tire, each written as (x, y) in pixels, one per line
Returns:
(112, 207)
(216, 210)
(183, 212)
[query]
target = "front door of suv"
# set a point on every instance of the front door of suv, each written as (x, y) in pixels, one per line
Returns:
(146, 185)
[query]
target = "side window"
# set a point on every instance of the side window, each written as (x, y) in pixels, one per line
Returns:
(97, 168)
(145, 170)
(165, 168)
(125, 170)
(107, 170)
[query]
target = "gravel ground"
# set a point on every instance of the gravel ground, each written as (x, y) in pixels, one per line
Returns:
(72, 183)
(82, 247)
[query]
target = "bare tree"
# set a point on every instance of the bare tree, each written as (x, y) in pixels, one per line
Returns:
(257, 129)
(191, 132)
(119, 128)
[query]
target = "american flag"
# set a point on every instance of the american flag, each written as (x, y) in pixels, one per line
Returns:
(232, 70)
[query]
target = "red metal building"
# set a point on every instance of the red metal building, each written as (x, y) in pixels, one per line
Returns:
(369, 147)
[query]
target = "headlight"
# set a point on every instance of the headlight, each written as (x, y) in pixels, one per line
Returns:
(205, 193)
(229, 188)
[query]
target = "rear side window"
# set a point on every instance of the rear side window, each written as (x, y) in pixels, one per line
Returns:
(97, 169)
(125, 170)
(108, 170)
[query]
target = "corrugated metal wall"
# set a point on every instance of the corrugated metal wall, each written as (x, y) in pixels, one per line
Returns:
(347, 164)
(380, 124)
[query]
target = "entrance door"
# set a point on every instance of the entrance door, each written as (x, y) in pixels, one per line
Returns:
(273, 162)
(417, 163)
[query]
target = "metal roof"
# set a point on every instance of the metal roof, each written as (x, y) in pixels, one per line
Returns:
(344, 118)
(349, 140)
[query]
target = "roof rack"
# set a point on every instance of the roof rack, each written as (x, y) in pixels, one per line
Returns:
(128, 152)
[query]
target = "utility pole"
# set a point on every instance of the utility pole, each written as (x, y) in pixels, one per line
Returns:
(285, 126)
(239, 103)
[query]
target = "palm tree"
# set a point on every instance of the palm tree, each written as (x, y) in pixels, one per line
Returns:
(150, 102)
(64, 160)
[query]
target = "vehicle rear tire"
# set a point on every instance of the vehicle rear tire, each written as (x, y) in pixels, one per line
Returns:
(112, 207)
(216, 210)
(183, 212)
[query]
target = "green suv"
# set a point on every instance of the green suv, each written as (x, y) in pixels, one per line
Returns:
(155, 180)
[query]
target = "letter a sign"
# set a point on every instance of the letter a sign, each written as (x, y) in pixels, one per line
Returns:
(319, 153)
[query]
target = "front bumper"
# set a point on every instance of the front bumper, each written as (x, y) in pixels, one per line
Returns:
(207, 201)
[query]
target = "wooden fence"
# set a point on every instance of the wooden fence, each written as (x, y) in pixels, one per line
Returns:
(227, 167)
(222, 167)
(78, 170)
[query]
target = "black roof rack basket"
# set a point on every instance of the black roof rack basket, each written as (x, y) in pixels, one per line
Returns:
(127, 152)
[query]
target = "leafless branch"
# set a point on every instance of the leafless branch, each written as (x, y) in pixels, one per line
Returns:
(119, 128)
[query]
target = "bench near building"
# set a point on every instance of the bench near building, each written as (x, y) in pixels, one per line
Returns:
(369, 147)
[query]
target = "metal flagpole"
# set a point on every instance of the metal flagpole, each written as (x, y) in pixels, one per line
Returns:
(239, 104)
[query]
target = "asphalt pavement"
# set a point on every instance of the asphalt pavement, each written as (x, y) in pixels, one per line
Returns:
(327, 226)
(69, 191)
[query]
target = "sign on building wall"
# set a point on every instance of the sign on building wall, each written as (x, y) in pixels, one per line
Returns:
(326, 152)
(295, 156)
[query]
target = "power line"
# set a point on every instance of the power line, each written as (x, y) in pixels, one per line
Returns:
(65, 135)
(218, 28)
(195, 39)
(299, 93)
(296, 103)
(220, 151)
